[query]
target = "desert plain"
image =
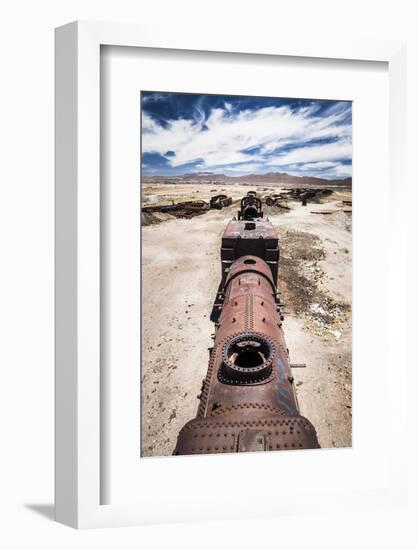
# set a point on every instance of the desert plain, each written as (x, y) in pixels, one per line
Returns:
(181, 273)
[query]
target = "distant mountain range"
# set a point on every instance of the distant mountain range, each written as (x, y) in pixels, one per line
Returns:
(272, 177)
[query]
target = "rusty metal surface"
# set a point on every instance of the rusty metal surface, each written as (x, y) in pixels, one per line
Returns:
(303, 194)
(250, 314)
(276, 200)
(255, 237)
(254, 229)
(220, 201)
(248, 400)
(187, 205)
(267, 433)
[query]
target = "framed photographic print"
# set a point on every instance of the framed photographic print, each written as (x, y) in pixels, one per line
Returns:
(223, 223)
(297, 155)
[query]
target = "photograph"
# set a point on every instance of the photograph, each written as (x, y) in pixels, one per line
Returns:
(208, 221)
(246, 273)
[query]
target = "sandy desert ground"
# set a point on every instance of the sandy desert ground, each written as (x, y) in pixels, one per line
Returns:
(180, 276)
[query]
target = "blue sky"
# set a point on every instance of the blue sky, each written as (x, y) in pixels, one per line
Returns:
(238, 135)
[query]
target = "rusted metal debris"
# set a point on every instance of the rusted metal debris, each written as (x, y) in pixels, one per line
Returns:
(308, 195)
(324, 212)
(220, 201)
(248, 400)
(186, 209)
(275, 200)
(191, 205)
(299, 193)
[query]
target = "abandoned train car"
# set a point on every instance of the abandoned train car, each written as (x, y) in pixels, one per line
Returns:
(248, 400)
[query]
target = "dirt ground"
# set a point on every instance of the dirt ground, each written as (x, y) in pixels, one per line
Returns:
(180, 276)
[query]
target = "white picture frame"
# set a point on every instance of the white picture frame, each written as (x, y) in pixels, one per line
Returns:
(77, 242)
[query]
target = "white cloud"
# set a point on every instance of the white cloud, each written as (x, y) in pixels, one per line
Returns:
(318, 165)
(334, 170)
(222, 138)
(339, 150)
(153, 98)
(342, 171)
(243, 168)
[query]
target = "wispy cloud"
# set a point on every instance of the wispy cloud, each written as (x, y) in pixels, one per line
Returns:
(314, 137)
(338, 150)
(154, 97)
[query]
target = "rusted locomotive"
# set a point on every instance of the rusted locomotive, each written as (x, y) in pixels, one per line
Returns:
(248, 400)
(250, 207)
